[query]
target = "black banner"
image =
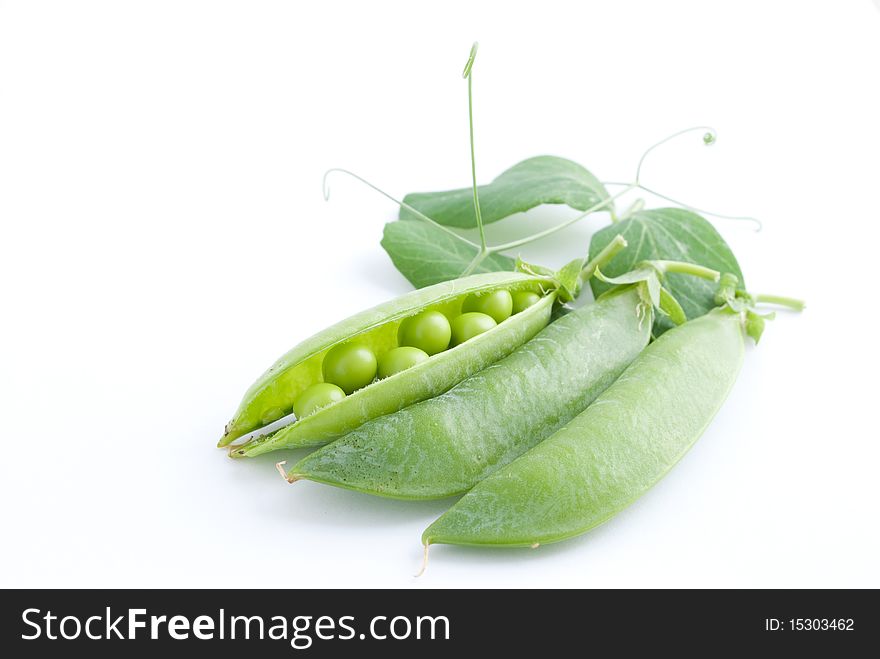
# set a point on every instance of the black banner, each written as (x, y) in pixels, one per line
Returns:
(279, 623)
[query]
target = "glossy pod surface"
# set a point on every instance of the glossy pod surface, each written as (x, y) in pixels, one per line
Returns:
(613, 452)
(377, 328)
(443, 446)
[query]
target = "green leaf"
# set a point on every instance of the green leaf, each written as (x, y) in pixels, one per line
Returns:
(427, 255)
(536, 181)
(670, 234)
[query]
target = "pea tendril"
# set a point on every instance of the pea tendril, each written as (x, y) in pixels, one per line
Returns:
(484, 250)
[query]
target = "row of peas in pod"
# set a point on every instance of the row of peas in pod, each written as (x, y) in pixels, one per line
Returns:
(352, 366)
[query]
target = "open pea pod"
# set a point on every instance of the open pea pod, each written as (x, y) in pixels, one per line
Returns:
(272, 396)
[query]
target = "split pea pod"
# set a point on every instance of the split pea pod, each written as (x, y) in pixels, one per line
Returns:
(445, 445)
(377, 331)
(613, 452)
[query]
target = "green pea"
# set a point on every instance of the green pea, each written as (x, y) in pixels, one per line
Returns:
(609, 455)
(400, 359)
(428, 331)
(522, 300)
(445, 445)
(498, 304)
(468, 325)
(315, 397)
(350, 366)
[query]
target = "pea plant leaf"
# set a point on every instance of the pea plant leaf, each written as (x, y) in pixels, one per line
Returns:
(670, 234)
(427, 255)
(530, 183)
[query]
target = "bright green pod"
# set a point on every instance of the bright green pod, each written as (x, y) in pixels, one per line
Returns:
(608, 456)
(272, 396)
(445, 445)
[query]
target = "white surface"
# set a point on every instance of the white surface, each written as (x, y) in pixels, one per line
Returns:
(164, 238)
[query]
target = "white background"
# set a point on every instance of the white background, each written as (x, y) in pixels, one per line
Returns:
(164, 238)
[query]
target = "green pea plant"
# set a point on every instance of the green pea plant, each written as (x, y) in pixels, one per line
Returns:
(412, 399)
(424, 246)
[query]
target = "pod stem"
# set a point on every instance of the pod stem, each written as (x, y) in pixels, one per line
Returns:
(603, 258)
(790, 302)
(281, 470)
(424, 561)
(680, 267)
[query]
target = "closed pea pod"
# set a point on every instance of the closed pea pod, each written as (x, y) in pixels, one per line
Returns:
(609, 455)
(377, 330)
(613, 452)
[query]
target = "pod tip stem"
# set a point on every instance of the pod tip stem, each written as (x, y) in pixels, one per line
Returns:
(280, 467)
(424, 562)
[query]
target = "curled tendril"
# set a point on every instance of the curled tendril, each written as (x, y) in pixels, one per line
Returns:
(710, 136)
(471, 58)
(415, 211)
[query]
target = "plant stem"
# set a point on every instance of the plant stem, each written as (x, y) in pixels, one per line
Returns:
(634, 208)
(547, 232)
(602, 258)
(475, 262)
(477, 212)
(683, 268)
(790, 302)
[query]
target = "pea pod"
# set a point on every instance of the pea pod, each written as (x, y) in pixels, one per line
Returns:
(443, 446)
(272, 395)
(613, 452)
